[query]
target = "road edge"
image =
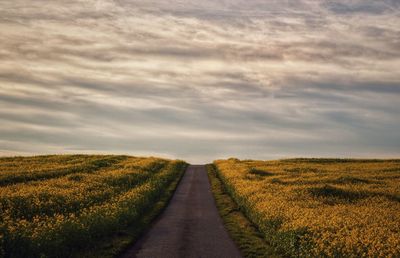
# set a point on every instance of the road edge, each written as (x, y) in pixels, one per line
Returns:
(245, 234)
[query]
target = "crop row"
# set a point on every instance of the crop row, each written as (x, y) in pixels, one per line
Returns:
(55, 217)
(30, 169)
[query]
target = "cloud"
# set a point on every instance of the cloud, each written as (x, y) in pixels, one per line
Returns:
(362, 6)
(200, 80)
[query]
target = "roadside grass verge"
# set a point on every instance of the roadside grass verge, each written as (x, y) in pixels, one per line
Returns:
(246, 236)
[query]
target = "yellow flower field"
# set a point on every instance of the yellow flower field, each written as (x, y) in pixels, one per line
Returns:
(320, 207)
(54, 205)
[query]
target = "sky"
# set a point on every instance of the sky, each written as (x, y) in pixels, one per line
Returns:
(201, 80)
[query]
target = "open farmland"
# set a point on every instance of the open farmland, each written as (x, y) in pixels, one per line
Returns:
(320, 207)
(56, 205)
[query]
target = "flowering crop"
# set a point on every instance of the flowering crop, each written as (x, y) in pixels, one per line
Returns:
(54, 205)
(320, 207)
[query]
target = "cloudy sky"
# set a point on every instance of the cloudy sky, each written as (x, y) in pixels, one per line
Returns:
(201, 80)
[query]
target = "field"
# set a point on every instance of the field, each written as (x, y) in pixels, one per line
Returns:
(319, 207)
(53, 206)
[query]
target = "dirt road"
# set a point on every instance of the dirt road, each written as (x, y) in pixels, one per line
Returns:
(190, 226)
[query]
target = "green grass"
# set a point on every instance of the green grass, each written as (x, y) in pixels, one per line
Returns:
(246, 236)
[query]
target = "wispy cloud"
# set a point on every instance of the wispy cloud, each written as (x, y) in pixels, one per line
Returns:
(200, 80)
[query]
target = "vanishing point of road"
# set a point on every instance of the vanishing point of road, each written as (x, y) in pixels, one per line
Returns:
(190, 226)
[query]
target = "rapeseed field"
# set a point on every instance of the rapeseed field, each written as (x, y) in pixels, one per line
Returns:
(51, 206)
(320, 207)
